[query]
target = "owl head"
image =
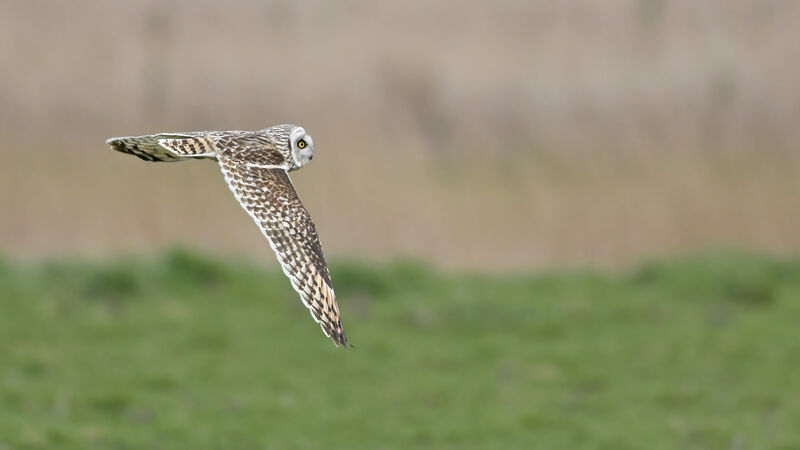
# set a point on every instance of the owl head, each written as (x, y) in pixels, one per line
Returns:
(301, 146)
(296, 146)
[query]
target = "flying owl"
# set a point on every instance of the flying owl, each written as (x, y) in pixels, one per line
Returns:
(256, 165)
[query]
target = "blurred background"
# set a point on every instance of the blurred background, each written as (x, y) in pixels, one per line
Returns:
(506, 134)
(595, 207)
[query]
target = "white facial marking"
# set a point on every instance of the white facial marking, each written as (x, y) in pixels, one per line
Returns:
(301, 156)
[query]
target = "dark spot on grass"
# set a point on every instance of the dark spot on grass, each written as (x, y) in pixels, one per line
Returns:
(181, 265)
(752, 291)
(113, 284)
(210, 341)
(110, 402)
(160, 382)
(33, 368)
(399, 277)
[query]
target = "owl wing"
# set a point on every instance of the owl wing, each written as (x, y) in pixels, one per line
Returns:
(267, 194)
(165, 146)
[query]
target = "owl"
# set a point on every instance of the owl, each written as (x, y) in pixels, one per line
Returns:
(256, 166)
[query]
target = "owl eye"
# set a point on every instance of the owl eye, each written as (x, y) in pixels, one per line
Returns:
(301, 144)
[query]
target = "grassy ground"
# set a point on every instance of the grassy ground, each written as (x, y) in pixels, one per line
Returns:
(182, 352)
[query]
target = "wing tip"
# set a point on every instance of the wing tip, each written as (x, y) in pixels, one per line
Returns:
(340, 339)
(119, 144)
(336, 334)
(114, 142)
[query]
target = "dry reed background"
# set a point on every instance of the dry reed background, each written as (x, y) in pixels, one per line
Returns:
(478, 134)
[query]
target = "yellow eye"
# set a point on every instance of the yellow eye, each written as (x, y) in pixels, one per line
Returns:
(301, 144)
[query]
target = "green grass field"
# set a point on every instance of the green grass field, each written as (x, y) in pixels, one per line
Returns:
(180, 351)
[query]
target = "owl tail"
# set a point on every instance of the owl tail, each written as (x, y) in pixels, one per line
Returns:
(164, 147)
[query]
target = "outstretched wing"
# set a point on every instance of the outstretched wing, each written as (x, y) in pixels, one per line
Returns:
(165, 147)
(267, 194)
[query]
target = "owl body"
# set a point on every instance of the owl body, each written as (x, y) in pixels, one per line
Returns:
(256, 166)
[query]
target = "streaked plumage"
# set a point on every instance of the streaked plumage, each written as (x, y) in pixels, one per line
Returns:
(256, 165)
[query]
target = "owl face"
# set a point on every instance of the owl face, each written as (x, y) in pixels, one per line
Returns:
(301, 147)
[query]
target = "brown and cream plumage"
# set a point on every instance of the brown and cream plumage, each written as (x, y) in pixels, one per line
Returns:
(256, 165)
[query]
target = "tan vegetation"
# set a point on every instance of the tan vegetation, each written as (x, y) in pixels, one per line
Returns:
(491, 134)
